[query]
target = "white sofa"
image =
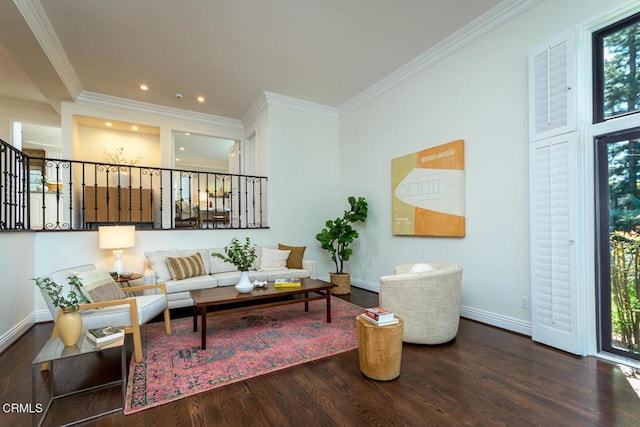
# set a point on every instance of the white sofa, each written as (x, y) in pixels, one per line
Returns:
(217, 272)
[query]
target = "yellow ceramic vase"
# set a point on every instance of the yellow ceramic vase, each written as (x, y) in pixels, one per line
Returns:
(69, 327)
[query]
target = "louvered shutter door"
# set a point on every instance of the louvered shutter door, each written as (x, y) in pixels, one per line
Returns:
(553, 195)
(551, 98)
(553, 250)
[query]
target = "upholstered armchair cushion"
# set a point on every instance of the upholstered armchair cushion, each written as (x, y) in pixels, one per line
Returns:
(428, 301)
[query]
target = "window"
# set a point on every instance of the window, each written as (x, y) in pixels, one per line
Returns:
(616, 69)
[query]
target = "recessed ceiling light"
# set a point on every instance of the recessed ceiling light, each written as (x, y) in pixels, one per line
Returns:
(177, 159)
(187, 133)
(181, 148)
(144, 87)
(108, 124)
(134, 127)
(201, 99)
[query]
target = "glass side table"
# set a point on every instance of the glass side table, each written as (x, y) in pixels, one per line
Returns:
(55, 350)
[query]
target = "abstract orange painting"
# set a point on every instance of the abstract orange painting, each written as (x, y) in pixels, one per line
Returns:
(427, 192)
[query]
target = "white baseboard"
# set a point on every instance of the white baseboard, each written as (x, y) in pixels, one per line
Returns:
(369, 286)
(43, 316)
(16, 332)
(490, 318)
(499, 320)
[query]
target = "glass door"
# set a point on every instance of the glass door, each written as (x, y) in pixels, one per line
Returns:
(618, 242)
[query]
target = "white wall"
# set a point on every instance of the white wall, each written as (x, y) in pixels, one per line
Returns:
(93, 141)
(17, 265)
(478, 94)
(24, 111)
(167, 123)
(304, 178)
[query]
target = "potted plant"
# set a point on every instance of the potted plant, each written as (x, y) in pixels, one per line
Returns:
(242, 257)
(121, 172)
(69, 321)
(336, 238)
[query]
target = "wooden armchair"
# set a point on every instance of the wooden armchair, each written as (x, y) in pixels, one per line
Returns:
(128, 313)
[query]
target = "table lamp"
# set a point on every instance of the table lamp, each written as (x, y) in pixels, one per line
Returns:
(117, 237)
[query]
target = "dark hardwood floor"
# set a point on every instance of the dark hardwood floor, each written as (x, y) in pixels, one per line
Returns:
(485, 377)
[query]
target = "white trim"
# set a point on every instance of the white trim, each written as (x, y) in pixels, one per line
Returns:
(300, 104)
(499, 320)
(114, 101)
(484, 24)
(39, 23)
(614, 358)
(43, 315)
(586, 179)
(369, 286)
(16, 332)
(254, 111)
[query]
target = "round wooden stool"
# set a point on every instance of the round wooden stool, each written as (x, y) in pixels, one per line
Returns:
(380, 349)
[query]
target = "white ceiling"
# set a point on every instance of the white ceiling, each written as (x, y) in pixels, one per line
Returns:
(230, 52)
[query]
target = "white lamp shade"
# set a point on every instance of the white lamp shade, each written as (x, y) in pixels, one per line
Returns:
(117, 236)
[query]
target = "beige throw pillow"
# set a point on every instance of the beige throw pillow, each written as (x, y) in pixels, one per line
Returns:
(273, 259)
(185, 267)
(157, 260)
(98, 285)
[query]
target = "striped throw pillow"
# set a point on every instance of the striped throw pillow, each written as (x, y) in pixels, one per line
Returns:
(185, 267)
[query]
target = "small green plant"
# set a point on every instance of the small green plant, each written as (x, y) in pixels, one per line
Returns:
(71, 301)
(242, 256)
(339, 234)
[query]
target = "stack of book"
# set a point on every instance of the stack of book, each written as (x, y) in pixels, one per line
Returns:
(379, 316)
(103, 336)
(287, 283)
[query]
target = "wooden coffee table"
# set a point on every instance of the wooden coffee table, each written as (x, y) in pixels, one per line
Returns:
(226, 296)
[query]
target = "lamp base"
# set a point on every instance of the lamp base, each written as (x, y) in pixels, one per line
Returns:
(118, 266)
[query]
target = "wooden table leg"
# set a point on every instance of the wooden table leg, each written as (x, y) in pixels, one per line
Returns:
(328, 306)
(306, 303)
(195, 318)
(203, 314)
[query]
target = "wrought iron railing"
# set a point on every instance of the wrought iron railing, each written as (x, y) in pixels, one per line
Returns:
(79, 195)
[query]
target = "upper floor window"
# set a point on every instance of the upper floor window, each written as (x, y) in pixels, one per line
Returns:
(616, 69)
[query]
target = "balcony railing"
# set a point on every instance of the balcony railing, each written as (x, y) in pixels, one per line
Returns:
(82, 195)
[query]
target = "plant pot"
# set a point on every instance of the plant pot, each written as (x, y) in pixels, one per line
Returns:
(69, 327)
(343, 282)
(244, 286)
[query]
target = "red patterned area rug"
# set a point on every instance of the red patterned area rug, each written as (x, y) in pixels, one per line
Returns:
(239, 346)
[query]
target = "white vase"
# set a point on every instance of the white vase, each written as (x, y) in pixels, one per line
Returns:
(244, 285)
(120, 178)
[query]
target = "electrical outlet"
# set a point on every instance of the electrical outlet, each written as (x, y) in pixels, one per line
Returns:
(524, 302)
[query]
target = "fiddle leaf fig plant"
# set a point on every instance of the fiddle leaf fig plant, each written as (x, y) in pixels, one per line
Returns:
(339, 233)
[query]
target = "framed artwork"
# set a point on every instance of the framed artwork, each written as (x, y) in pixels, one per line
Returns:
(427, 192)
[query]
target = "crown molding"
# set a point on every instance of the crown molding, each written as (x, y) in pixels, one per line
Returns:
(39, 23)
(270, 98)
(484, 24)
(300, 104)
(254, 111)
(145, 107)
